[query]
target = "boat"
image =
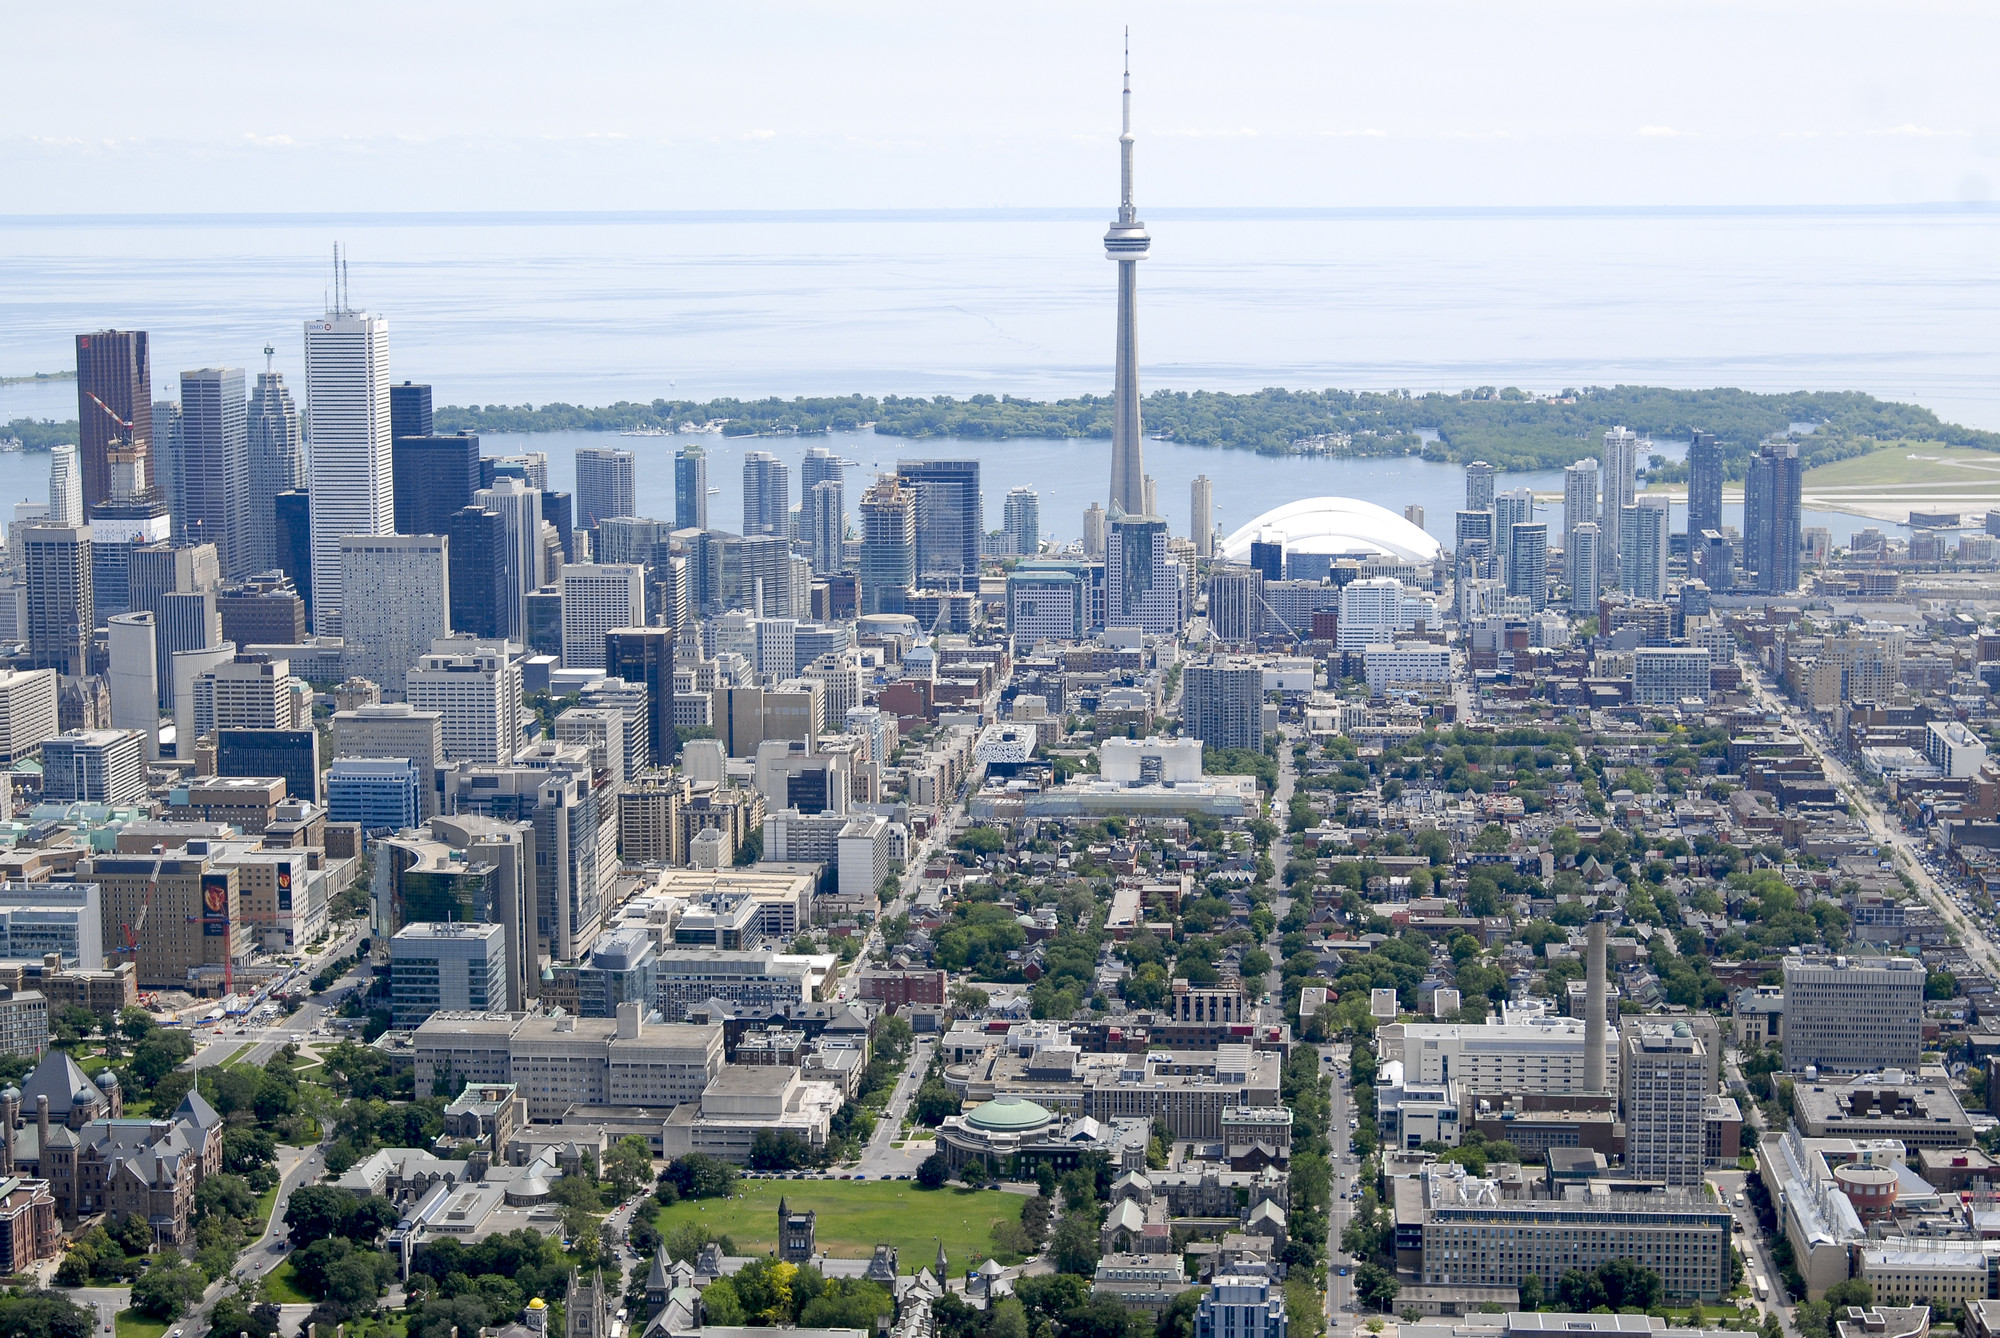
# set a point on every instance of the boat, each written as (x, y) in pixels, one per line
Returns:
(646, 432)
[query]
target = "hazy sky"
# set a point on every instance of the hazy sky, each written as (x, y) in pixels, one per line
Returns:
(357, 105)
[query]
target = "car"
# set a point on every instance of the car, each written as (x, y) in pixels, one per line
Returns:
(1343, 1270)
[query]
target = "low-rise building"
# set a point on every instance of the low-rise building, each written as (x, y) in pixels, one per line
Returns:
(741, 1102)
(1917, 1115)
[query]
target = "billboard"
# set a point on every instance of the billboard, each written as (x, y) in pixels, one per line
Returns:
(214, 904)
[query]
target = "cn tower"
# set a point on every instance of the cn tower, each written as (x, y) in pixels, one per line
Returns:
(1127, 244)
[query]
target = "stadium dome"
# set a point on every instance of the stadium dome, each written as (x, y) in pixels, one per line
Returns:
(1336, 527)
(1009, 1115)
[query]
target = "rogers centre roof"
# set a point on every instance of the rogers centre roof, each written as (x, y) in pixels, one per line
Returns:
(1336, 526)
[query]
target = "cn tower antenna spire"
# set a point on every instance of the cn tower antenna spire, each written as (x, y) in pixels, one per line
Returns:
(1127, 243)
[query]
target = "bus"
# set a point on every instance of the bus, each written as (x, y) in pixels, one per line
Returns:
(1757, 1285)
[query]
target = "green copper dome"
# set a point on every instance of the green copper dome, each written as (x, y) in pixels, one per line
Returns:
(1008, 1115)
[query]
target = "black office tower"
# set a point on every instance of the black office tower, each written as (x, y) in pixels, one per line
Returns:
(434, 478)
(556, 510)
(1268, 559)
(410, 414)
(1704, 483)
(646, 655)
(291, 753)
(295, 549)
(480, 600)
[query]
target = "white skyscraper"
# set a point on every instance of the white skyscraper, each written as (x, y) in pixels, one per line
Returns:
(1021, 518)
(597, 598)
(827, 498)
(401, 597)
(476, 690)
(1619, 458)
(65, 486)
(1515, 507)
(1579, 498)
(1642, 553)
(519, 506)
(352, 489)
(1581, 555)
(1201, 515)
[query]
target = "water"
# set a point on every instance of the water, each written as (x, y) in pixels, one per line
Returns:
(591, 309)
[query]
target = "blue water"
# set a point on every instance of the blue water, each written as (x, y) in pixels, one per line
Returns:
(591, 309)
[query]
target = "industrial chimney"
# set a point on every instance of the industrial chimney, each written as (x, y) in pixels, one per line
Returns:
(1593, 1012)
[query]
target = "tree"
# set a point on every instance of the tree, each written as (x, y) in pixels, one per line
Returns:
(934, 1172)
(934, 1104)
(687, 1239)
(700, 1176)
(1073, 1249)
(224, 1195)
(167, 1289)
(1852, 1291)
(355, 1283)
(41, 1314)
(1531, 1291)
(629, 1165)
(1376, 1286)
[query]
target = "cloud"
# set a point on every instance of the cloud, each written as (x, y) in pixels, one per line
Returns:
(1665, 132)
(268, 141)
(1919, 132)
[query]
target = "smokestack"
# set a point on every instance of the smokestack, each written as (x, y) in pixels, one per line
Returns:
(1593, 1012)
(42, 1125)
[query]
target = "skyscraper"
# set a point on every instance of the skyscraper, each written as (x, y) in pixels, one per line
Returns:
(888, 545)
(409, 410)
(767, 494)
(829, 509)
(1580, 553)
(1511, 508)
(65, 486)
(1093, 532)
(55, 560)
(215, 465)
(435, 478)
(292, 525)
(1528, 563)
(114, 403)
(520, 508)
(1642, 552)
(949, 520)
(164, 466)
(1704, 483)
(1142, 586)
(1771, 518)
(818, 466)
(1224, 703)
(1663, 1069)
(352, 465)
(605, 484)
(1268, 558)
(1127, 243)
(690, 489)
(596, 598)
(1201, 515)
(1579, 497)
(401, 587)
(646, 655)
(1022, 519)
(482, 602)
(1479, 486)
(132, 514)
(1619, 458)
(277, 464)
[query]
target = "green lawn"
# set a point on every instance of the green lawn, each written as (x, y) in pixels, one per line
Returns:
(1892, 465)
(278, 1283)
(854, 1215)
(267, 1201)
(132, 1324)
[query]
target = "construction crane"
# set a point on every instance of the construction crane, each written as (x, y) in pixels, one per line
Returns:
(109, 412)
(131, 931)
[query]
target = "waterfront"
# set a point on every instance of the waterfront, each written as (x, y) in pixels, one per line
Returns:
(595, 308)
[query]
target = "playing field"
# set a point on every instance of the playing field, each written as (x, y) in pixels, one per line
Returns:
(856, 1214)
(1911, 464)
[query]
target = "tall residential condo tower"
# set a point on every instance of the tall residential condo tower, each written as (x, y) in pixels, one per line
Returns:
(277, 462)
(690, 489)
(352, 465)
(1704, 483)
(1127, 243)
(1619, 462)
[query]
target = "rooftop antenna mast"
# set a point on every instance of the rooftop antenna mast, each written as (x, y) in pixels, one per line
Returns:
(269, 353)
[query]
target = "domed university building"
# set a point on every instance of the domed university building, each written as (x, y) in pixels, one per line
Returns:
(1011, 1135)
